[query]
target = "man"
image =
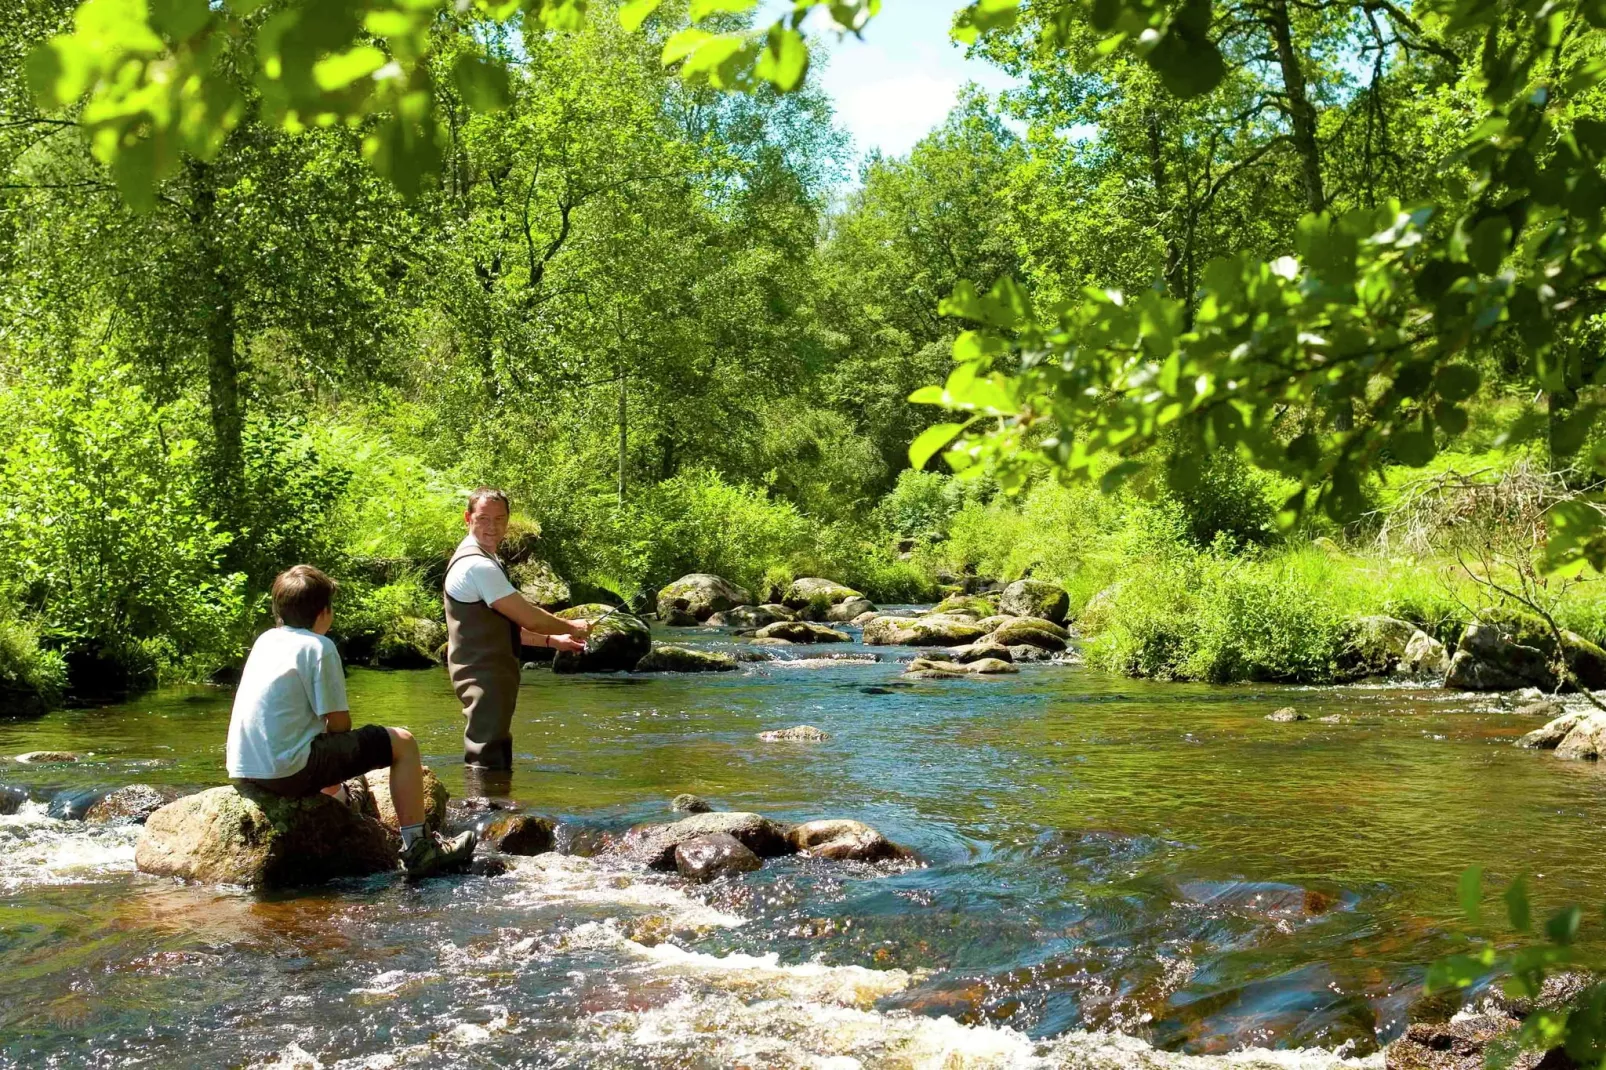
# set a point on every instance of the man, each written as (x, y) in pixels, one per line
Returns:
(487, 620)
(290, 731)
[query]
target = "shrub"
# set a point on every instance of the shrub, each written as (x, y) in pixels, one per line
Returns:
(1225, 496)
(32, 678)
(392, 506)
(369, 617)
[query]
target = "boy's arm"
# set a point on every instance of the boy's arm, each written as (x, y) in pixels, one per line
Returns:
(337, 721)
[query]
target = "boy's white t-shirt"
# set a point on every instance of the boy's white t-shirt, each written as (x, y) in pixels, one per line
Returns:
(476, 578)
(291, 682)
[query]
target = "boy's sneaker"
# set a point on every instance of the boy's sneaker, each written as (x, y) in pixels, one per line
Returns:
(433, 853)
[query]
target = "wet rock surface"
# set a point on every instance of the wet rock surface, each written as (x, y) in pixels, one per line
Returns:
(46, 757)
(921, 631)
(132, 805)
(74, 804)
(1287, 715)
(803, 733)
(843, 839)
(687, 803)
(520, 834)
(802, 631)
(616, 644)
(11, 799)
(751, 617)
(666, 657)
(694, 598)
(654, 845)
(719, 854)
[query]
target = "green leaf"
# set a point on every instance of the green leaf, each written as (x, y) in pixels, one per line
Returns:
(1517, 908)
(985, 16)
(1488, 243)
(1457, 382)
(180, 19)
(1458, 971)
(683, 44)
(634, 13)
(701, 9)
(784, 61)
(1452, 418)
(1563, 925)
(1469, 891)
(930, 441)
(343, 68)
(1413, 448)
(1567, 435)
(484, 84)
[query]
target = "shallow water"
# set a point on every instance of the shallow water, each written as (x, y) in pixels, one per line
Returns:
(1117, 873)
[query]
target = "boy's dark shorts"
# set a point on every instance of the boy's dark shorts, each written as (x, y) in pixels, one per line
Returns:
(335, 757)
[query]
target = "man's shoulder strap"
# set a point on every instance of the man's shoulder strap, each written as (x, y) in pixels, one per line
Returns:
(474, 551)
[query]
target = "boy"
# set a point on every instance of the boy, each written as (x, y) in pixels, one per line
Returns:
(290, 732)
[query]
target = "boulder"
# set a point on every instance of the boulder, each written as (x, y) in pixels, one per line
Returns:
(1454, 1045)
(803, 733)
(1425, 656)
(132, 805)
(969, 607)
(719, 854)
(996, 621)
(1035, 598)
(850, 610)
(540, 583)
(687, 803)
(1287, 715)
(1586, 740)
(770, 642)
(864, 618)
(246, 836)
(1024, 653)
(73, 804)
(47, 757)
(1553, 733)
(802, 631)
(983, 648)
(520, 834)
(921, 631)
(926, 668)
(654, 845)
(812, 592)
(693, 599)
(411, 643)
(1503, 650)
(1548, 708)
(843, 840)
(615, 645)
(11, 799)
(751, 616)
(1032, 631)
(371, 795)
(992, 666)
(1377, 645)
(667, 658)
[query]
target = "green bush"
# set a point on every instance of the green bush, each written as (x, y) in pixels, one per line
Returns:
(924, 503)
(32, 678)
(392, 506)
(1224, 496)
(372, 618)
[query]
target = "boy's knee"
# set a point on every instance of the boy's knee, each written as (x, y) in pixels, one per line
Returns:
(402, 744)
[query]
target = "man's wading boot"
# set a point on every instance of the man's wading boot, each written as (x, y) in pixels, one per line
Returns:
(432, 854)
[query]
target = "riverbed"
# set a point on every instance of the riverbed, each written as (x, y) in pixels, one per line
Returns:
(1116, 873)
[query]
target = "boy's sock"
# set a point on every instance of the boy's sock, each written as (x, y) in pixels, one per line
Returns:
(343, 797)
(409, 833)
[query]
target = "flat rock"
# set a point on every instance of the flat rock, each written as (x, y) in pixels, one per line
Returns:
(802, 631)
(843, 839)
(1032, 631)
(132, 805)
(46, 757)
(654, 845)
(921, 631)
(665, 657)
(984, 648)
(812, 590)
(1287, 715)
(1024, 653)
(969, 607)
(520, 834)
(849, 610)
(718, 854)
(249, 837)
(750, 616)
(803, 733)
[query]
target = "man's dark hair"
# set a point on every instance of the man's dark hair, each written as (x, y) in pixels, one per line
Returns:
(487, 494)
(300, 594)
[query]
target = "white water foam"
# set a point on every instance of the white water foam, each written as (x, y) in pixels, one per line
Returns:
(554, 879)
(38, 849)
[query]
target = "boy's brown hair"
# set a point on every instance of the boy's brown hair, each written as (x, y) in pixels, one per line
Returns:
(300, 594)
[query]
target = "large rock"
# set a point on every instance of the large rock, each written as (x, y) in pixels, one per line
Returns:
(132, 805)
(1551, 735)
(815, 596)
(983, 648)
(1035, 598)
(615, 645)
(928, 669)
(718, 854)
(11, 799)
(1377, 645)
(411, 643)
(654, 845)
(849, 611)
(693, 599)
(843, 840)
(1425, 656)
(520, 834)
(754, 617)
(921, 631)
(802, 631)
(970, 607)
(1032, 631)
(1454, 1045)
(1503, 651)
(540, 583)
(687, 803)
(1586, 740)
(73, 804)
(665, 657)
(371, 791)
(249, 837)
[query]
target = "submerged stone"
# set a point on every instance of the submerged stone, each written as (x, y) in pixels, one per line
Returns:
(47, 757)
(803, 733)
(520, 834)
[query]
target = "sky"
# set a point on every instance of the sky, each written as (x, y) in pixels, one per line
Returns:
(902, 79)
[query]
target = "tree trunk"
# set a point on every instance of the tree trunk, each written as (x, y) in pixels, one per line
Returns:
(623, 436)
(1301, 113)
(1173, 257)
(217, 298)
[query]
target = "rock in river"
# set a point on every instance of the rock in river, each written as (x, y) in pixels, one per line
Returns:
(693, 599)
(803, 733)
(1035, 598)
(922, 631)
(750, 616)
(969, 607)
(1551, 735)
(844, 840)
(849, 611)
(1503, 651)
(45, 757)
(1586, 740)
(687, 803)
(926, 668)
(247, 836)
(802, 631)
(616, 644)
(1287, 715)
(520, 834)
(132, 805)
(812, 592)
(665, 657)
(719, 854)
(371, 794)
(654, 845)
(1032, 631)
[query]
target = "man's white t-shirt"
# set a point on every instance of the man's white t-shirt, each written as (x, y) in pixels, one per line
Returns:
(476, 579)
(291, 682)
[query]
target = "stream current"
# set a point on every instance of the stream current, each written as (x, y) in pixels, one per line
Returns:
(1116, 873)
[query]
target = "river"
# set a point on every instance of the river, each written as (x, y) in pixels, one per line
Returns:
(1117, 874)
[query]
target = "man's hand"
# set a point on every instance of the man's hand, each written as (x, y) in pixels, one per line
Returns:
(567, 642)
(580, 628)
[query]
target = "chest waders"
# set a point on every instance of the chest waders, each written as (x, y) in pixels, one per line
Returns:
(482, 656)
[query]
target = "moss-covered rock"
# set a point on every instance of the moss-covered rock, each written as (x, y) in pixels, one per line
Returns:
(1504, 650)
(751, 617)
(921, 631)
(1032, 631)
(1035, 598)
(814, 591)
(665, 657)
(694, 598)
(849, 611)
(971, 607)
(249, 837)
(540, 583)
(616, 644)
(411, 643)
(802, 631)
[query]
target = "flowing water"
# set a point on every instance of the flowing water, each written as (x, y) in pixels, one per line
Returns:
(1116, 874)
